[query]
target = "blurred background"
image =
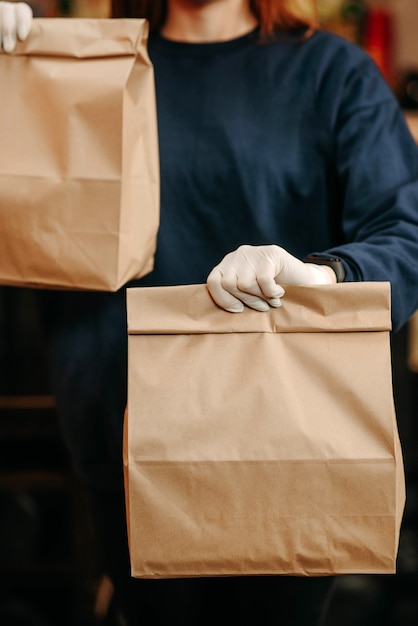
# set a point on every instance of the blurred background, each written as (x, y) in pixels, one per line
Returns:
(49, 568)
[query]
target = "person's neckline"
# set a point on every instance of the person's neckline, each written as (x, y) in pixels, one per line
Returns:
(174, 45)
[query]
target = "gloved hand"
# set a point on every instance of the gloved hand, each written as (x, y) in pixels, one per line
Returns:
(15, 23)
(253, 275)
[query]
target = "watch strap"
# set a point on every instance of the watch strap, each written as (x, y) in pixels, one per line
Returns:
(333, 262)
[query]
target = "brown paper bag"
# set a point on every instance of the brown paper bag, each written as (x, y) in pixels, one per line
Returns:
(412, 346)
(79, 172)
(262, 443)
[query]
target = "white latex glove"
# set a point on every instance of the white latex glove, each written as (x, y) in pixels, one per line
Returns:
(15, 23)
(253, 275)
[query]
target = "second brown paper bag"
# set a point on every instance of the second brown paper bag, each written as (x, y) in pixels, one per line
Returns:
(79, 170)
(261, 443)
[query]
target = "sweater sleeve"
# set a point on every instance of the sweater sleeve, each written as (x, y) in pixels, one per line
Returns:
(377, 172)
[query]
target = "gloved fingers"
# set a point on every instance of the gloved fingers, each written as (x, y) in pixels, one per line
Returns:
(245, 276)
(24, 15)
(222, 297)
(15, 22)
(256, 271)
(254, 283)
(232, 287)
(7, 26)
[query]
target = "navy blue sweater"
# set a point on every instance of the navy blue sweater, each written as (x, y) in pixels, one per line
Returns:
(296, 143)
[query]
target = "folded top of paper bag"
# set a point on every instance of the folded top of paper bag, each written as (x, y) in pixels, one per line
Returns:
(330, 308)
(83, 37)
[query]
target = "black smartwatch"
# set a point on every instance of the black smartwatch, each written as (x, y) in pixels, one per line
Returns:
(333, 262)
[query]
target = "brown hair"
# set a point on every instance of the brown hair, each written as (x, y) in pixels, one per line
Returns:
(272, 15)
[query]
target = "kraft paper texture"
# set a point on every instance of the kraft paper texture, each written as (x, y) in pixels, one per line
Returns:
(261, 443)
(79, 170)
(412, 351)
